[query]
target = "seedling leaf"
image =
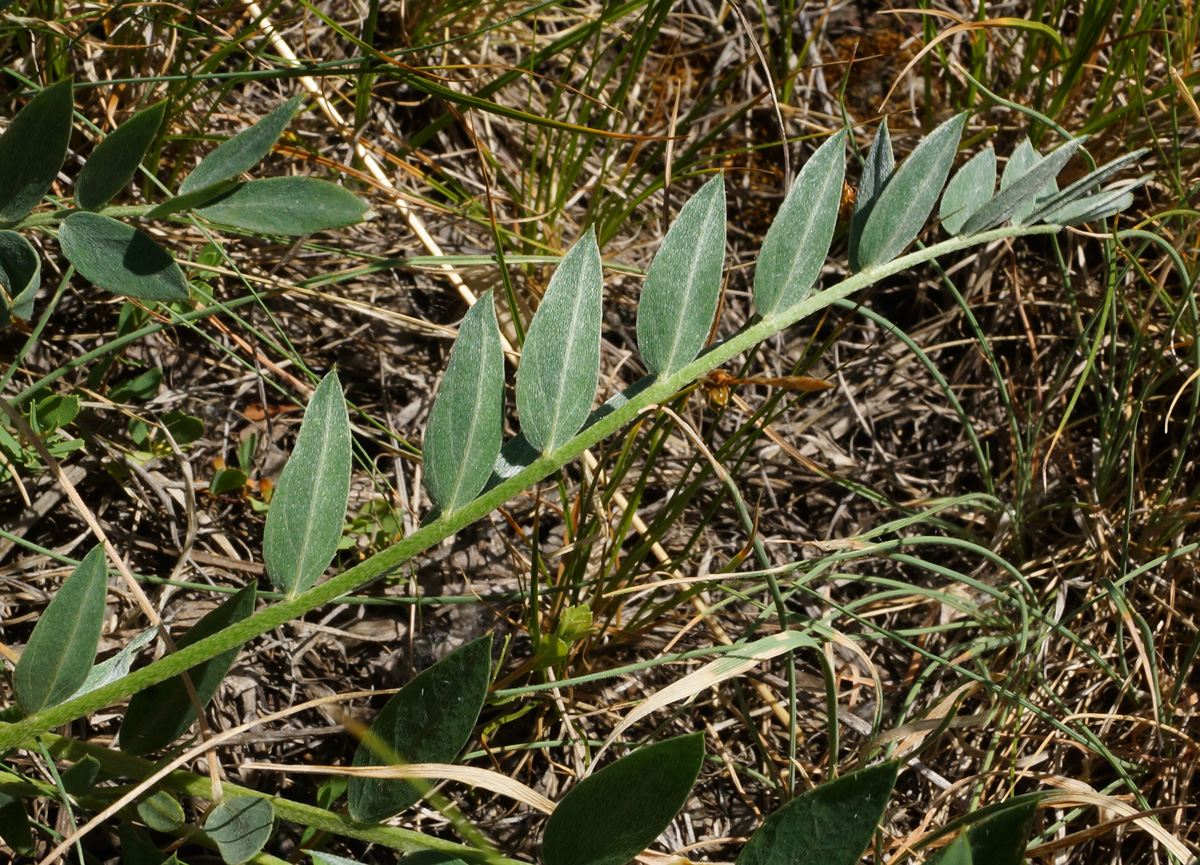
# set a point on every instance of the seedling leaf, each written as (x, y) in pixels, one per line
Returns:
(308, 510)
(427, 721)
(20, 277)
(968, 190)
(560, 361)
(285, 205)
(466, 423)
(798, 240)
(33, 148)
(119, 258)
(243, 151)
(905, 203)
(610, 817)
(1021, 196)
(683, 285)
(829, 825)
(115, 159)
(241, 827)
(160, 714)
(62, 647)
(877, 171)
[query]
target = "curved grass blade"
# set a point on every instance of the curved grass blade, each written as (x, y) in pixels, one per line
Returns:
(683, 284)
(798, 240)
(560, 361)
(466, 424)
(62, 647)
(241, 827)
(115, 159)
(160, 714)
(33, 148)
(1022, 194)
(968, 190)
(829, 825)
(610, 817)
(285, 205)
(20, 277)
(243, 151)
(877, 171)
(1083, 187)
(428, 721)
(905, 203)
(119, 258)
(308, 510)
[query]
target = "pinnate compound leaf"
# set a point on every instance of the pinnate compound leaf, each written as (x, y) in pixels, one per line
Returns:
(828, 825)
(1021, 196)
(33, 148)
(466, 423)
(683, 285)
(308, 509)
(119, 258)
(560, 361)
(14, 825)
(62, 647)
(285, 205)
(161, 811)
(906, 201)
(968, 190)
(798, 240)
(243, 151)
(610, 817)
(115, 159)
(1084, 187)
(20, 277)
(241, 827)
(998, 840)
(429, 720)
(877, 171)
(160, 714)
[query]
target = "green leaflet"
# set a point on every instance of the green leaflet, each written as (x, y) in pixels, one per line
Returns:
(118, 665)
(1021, 196)
(115, 159)
(877, 171)
(968, 190)
(20, 277)
(1084, 187)
(160, 714)
(62, 647)
(192, 200)
(798, 240)
(560, 361)
(1094, 207)
(828, 825)
(243, 151)
(285, 205)
(322, 858)
(1019, 163)
(957, 852)
(308, 510)
(33, 148)
(119, 258)
(683, 285)
(613, 815)
(14, 825)
(427, 721)
(161, 811)
(466, 424)
(998, 840)
(904, 204)
(241, 827)
(79, 779)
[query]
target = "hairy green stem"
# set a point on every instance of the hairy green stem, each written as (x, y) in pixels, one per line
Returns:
(621, 409)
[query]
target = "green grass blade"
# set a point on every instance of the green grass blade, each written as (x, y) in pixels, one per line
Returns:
(62, 647)
(683, 285)
(466, 424)
(243, 151)
(115, 159)
(560, 361)
(33, 148)
(308, 510)
(120, 258)
(798, 240)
